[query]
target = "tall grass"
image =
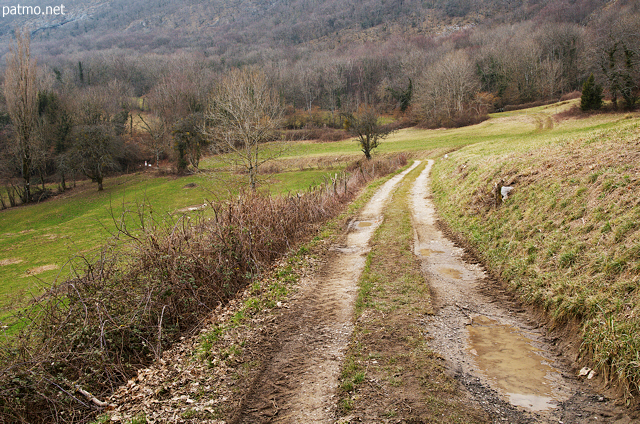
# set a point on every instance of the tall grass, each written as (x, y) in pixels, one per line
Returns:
(86, 336)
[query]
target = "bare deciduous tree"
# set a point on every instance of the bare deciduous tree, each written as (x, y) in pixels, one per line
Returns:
(447, 88)
(21, 95)
(95, 151)
(244, 113)
(365, 126)
(154, 126)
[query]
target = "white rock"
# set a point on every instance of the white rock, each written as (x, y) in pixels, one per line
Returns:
(584, 371)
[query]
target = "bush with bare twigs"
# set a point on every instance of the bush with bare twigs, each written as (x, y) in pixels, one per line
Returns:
(88, 335)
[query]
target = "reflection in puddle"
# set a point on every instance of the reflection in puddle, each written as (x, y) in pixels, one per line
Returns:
(450, 272)
(428, 252)
(507, 357)
(365, 224)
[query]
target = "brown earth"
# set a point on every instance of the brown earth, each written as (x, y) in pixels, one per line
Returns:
(40, 269)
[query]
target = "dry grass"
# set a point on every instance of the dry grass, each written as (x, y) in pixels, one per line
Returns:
(568, 239)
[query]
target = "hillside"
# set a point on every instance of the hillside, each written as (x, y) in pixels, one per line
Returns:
(231, 28)
(567, 238)
(421, 298)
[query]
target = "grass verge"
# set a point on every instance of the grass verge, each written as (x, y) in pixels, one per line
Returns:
(568, 237)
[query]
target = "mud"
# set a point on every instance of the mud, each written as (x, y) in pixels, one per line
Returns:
(428, 252)
(506, 356)
(297, 380)
(502, 356)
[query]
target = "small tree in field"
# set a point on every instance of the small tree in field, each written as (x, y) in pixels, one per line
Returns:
(95, 151)
(244, 113)
(366, 127)
(188, 141)
(591, 95)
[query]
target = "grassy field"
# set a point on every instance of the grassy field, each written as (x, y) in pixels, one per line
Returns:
(568, 238)
(38, 243)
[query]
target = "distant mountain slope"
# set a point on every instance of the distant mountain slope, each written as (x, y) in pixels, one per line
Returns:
(221, 25)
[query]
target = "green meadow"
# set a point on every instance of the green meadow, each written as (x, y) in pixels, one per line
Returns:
(45, 242)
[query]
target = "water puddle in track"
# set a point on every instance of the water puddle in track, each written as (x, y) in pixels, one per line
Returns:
(450, 272)
(507, 357)
(429, 252)
(497, 352)
(365, 224)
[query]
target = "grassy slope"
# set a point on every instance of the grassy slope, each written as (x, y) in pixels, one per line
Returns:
(568, 238)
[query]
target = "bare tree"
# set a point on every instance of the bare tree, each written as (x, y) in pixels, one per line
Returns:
(365, 126)
(21, 95)
(447, 88)
(95, 151)
(154, 126)
(244, 113)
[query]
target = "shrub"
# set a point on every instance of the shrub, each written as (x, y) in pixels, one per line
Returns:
(591, 95)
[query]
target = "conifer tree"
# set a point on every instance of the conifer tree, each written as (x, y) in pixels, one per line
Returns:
(591, 95)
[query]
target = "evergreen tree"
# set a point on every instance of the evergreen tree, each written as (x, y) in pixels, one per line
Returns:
(591, 95)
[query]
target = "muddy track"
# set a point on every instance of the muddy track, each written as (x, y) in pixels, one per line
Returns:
(299, 373)
(498, 353)
(492, 345)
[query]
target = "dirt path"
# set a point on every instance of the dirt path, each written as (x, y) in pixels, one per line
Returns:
(501, 356)
(298, 379)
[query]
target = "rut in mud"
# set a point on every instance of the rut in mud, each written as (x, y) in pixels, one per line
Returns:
(297, 381)
(501, 356)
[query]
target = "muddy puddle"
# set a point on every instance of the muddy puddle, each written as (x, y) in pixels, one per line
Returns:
(364, 224)
(429, 252)
(508, 358)
(450, 272)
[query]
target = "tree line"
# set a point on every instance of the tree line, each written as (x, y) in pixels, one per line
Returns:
(88, 115)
